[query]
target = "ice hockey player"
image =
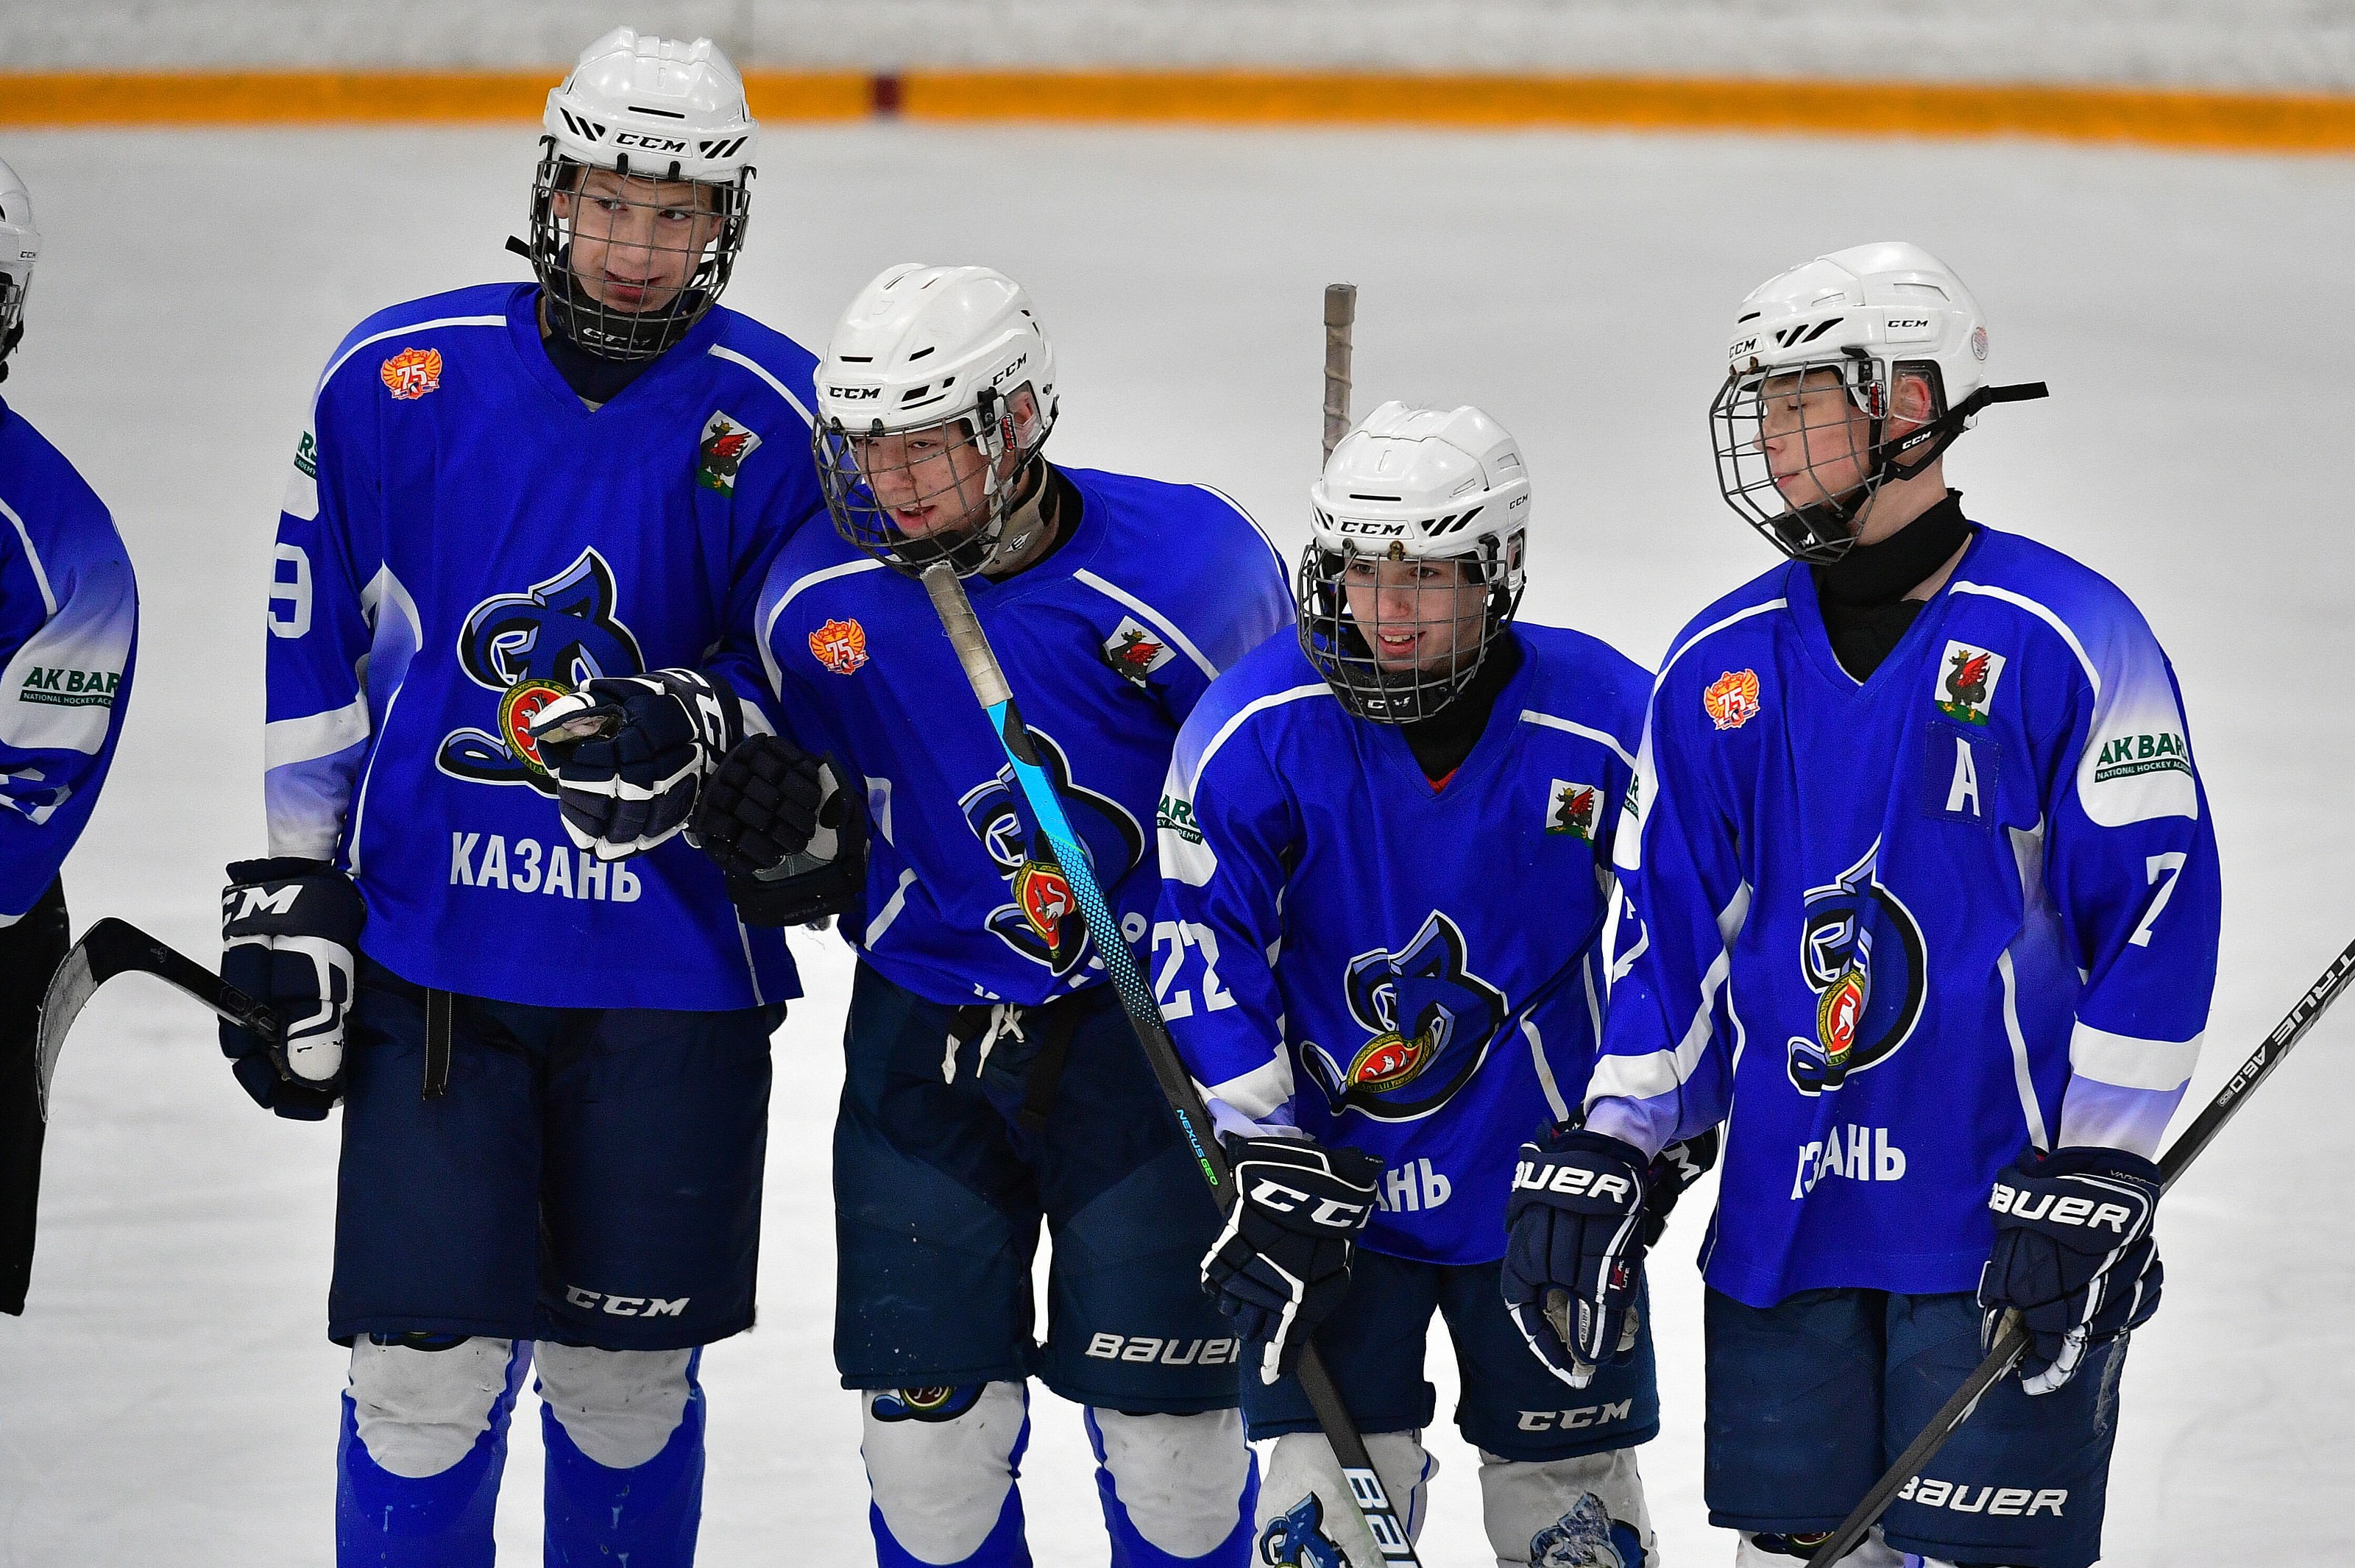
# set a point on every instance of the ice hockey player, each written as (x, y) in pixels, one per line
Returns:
(1920, 891)
(1384, 851)
(553, 1061)
(993, 1079)
(69, 627)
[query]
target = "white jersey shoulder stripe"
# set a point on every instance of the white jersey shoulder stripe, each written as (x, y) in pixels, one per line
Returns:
(1256, 705)
(809, 580)
(2022, 602)
(1244, 513)
(1531, 716)
(1711, 630)
(411, 330)
(720, 351)
(1155, 618)
(33, 560)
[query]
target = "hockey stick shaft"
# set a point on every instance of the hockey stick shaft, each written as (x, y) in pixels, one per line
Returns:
(1038, 790)
(1340, 316)
(2012, 1343)
(112, 947)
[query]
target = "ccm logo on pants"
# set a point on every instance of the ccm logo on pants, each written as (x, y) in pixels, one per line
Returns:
(1167, 1353)
(624, 1306)
(2001, 1501)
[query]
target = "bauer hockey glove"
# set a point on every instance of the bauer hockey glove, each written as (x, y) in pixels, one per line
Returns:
(791, 840)
(1281, 1266)
(1574, 1249)
(2073, 1255)
(291, 937)
(630, 754)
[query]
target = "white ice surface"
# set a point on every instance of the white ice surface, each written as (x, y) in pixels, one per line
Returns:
(170, 1397)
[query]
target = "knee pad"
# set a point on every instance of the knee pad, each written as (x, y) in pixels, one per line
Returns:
(1584, 1512)
(1758, 1550)
(619, 1407)
(1180, 1485)
(941, 1464)
(418, 1412)
(1305, 1508)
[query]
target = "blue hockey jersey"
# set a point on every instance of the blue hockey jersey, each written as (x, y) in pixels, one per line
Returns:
(462, 541)
(68, 631)
(1903, 929)
(1409, 970)
(1108, 644)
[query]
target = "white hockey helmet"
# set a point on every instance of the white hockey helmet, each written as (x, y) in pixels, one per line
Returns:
(20, 247)
(649, 109)
(1870, 315)
(1412, 485)
(940, 352)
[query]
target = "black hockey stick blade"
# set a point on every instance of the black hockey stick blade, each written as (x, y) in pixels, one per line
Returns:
(2012, 1343)
(113, 947)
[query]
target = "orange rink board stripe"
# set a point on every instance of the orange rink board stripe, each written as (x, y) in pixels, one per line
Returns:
(2241, 121)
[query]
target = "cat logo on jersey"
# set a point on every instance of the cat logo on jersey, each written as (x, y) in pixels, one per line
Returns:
(1732, 699)
(840, 645)
(1573, 809)
(1861, 953)
(1134, 651)
(721, 451)
(1963, 686)
(1432, 1022)
(925, 1404)
(1032, 921)
(413, 373)
(531, 648)
(1587, 1537)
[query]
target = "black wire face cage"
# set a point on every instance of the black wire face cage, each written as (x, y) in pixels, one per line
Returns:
(938, 471)
(633, 235)
(1811, 513)
(12, 319)
(1342, 646)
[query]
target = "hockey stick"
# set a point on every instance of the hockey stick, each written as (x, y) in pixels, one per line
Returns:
(2012, 1343)
(113, 947)
(1340, 316)
(989, 689)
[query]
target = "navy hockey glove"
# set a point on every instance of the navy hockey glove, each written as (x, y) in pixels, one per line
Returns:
(629, 754)
(791, 840)
(1574, 1246)
(291, 937)
(1676, 1168)
(1283, 1262)
(2073, 1255)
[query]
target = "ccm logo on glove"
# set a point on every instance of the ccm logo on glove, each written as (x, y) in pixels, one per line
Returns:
(2055, 1211)
(1330, 1212)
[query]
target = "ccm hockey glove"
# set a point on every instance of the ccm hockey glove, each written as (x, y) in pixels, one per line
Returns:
(790, 837)
(290, 937)
(1676, 1168)
(1281, 1266)
(2073, 1255)
(1574, 1249)
(630, 754)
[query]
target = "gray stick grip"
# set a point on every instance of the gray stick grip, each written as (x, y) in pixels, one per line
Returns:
(1340, 316)
(964, 635)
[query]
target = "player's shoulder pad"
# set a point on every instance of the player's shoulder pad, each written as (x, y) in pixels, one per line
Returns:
(2056, 596)
(1272, 686)
(760, 355)
(1738, 617)
(62, 518)
(479, 306)
(1585, 680)
(1217, 531)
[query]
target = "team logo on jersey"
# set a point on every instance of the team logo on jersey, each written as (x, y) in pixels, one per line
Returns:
(531, 648)
(1732, 699)
(1296, 1539)
(1963, 684)
(1032, 922)
(1587, 1537)
(1573, 809)
(925, 1404)
(413, 372)
(840, 645)
(1136, 651)
(1431, 1021)
(722, 450)
(1861, 953)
